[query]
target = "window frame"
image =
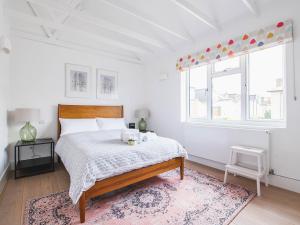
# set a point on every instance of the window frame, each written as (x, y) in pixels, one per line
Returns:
(189, 95)
(245, 108)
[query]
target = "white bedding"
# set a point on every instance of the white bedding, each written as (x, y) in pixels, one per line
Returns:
(92, 156)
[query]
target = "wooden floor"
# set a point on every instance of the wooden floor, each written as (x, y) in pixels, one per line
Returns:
(275, 207)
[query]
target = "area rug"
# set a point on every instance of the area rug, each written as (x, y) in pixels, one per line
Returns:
(198, 199)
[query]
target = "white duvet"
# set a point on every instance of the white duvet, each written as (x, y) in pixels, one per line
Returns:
(92, 156)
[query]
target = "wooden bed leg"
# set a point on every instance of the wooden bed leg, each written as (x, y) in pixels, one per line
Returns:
(182, 168)
(82, 202)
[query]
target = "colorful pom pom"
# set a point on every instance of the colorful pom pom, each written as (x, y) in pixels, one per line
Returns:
(280, 24)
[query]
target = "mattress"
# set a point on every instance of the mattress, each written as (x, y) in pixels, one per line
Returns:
(92, 156)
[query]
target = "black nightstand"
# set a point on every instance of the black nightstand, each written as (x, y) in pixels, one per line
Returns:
(34, 166)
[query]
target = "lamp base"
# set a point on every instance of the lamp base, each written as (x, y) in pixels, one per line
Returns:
(142, 125)
(28, 133)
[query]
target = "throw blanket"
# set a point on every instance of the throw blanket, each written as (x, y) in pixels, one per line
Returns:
(92, 156)
(148, 136)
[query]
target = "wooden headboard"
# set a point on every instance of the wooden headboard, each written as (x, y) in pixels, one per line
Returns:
(87, 111)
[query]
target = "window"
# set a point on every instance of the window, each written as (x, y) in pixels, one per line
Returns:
(226, 97)
(245, 88)
(227, 64)
(198, 92)
(266, 84)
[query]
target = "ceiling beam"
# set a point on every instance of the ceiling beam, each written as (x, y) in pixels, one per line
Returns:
(189, 8)
(142, 18)
(104, 25)
(72, 10)
(252, 6)
(183, 24)
(18, 32)
(121, 30)
(62, 6)
(36, 13)
(60, 27)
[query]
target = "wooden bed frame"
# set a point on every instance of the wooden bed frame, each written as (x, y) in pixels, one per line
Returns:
(125, 179)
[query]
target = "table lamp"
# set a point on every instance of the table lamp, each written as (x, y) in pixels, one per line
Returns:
(27, 132)
(142, 114)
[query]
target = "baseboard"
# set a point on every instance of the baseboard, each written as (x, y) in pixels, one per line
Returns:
(4, 178)
(12, 165)
(207, 162)
(275, 180)
(285, 183)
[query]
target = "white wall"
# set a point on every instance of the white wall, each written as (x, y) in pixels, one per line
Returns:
(163, 97)
(38, 80)
(4, 85)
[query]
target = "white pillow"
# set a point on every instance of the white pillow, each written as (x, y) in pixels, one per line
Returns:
(111, 123)
(70, 126)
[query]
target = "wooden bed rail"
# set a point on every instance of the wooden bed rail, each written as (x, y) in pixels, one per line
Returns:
(125, 179)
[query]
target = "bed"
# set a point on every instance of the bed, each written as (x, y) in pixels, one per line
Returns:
(98, 162)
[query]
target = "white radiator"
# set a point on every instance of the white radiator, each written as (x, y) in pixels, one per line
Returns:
(213, 143)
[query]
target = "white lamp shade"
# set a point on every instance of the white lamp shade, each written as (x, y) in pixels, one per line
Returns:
(142, 113)
(5, 44)
(27, 115)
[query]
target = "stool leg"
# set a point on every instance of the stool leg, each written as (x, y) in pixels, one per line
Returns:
(259, 164)
(235, 159)
(231, 157)
(225, 176)
(258, 186)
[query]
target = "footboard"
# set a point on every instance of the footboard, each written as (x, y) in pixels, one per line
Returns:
(125, 179)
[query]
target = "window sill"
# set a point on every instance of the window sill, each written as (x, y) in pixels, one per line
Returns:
(251, 125)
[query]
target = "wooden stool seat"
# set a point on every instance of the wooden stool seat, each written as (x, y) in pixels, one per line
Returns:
(248, 150)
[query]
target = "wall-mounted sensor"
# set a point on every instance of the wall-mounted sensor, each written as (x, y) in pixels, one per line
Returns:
(5, 45)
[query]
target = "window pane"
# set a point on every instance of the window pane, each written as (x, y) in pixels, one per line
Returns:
(226, 97)
(266, 84)
(227, 64)
(198, 92)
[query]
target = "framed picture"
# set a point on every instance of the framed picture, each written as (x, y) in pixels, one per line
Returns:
(78, 81)
(107, 84)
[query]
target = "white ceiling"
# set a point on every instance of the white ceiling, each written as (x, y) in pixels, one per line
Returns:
(124, 29)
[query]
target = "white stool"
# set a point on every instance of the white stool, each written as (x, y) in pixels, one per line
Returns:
(262, 164)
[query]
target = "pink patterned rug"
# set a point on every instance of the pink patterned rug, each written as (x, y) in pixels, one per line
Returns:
(198, 199)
